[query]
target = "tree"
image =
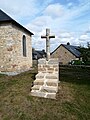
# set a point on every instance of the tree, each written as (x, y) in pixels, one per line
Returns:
(85, 54)
(88, 45)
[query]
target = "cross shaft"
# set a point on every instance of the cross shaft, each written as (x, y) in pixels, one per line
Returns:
(48, 36)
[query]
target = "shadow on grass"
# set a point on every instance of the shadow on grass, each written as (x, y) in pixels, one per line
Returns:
(75, 75)
(33, 76)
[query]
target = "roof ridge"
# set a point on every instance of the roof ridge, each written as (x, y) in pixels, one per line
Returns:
(69, 45)
(70, 48)
(6, 18)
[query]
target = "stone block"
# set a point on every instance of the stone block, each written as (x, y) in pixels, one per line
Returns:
(52, 83)
(49, 89)
(36, 87)
(56, 66)
(56, 69)
(41, 61)
(53, 61)
(39, 82)
(51, 95)
(51, 76)
(40, 76)
(37, 93)
(43, 94)
(49, 71)
(50, 68)
(41, 69)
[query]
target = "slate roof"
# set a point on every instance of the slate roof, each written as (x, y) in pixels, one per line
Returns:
(73, 49)
(5, 18)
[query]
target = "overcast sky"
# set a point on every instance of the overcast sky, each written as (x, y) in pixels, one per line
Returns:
(68, 20)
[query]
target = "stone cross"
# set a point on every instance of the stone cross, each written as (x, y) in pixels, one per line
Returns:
(48, 36)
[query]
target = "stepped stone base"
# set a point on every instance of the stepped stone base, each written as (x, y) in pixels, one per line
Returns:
(43, 94)
(46, 83)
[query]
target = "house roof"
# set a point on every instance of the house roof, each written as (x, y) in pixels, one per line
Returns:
(39, 53)
(73, 49)
(5, 18)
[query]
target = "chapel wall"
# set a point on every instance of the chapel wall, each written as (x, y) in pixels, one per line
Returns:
(11, 49)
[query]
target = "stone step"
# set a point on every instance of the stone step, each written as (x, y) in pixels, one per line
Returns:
(36, 87)
(50, 82)
(51, 76)
(43, 94)
(40, 75)
(49, 89)
(39, 82)
(47, 76)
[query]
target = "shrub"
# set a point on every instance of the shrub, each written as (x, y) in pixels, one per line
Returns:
(76, 62)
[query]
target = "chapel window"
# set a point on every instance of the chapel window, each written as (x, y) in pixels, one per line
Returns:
(24, 45)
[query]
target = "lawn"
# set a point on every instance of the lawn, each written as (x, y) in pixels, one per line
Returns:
(72, 101)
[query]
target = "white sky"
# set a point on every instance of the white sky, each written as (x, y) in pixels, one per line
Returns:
(69, 20)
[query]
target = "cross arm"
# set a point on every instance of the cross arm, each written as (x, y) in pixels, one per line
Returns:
(52, 36)
(43, 37)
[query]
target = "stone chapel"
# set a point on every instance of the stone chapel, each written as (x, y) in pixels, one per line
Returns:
(15, 46)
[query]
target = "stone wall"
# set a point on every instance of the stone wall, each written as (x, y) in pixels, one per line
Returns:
(63, 55)
(11, 49)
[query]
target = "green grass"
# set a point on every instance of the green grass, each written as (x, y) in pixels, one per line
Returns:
(72, 103)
